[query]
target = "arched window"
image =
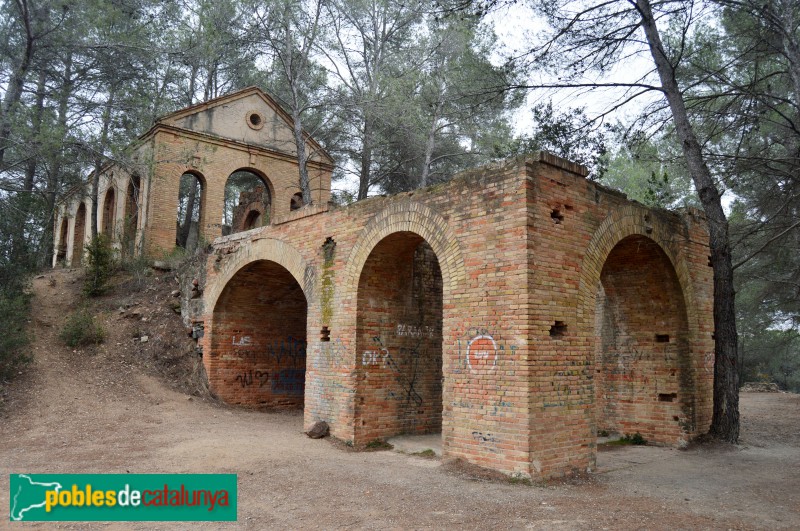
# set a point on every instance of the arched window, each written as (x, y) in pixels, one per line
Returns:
(131, 218)
(248, 202)
(109, 213)
(79, 235)
(61, 250)
(297, 202)
(190, 201)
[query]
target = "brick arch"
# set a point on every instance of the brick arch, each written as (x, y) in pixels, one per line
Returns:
(108, 210)
(270, 249)
(618, 226)
(261, 174)
(624, 222)
(409, 217)
(201, 178)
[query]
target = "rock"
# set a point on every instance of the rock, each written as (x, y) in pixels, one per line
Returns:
(318, 430)
(176, 293)
(144, 339)
(161, 265)
(760, 387)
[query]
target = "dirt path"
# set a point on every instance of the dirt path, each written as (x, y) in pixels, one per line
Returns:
(82, 412)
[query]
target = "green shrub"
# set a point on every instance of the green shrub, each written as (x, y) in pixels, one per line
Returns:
(138, 267)
(378, 444)
(635, 439)
(14, 311)
(100, 265)
(628, 439)
(82, 330)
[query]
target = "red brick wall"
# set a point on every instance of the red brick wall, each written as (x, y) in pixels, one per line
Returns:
(213, 161)
(520, 247)
(574, 227)
(259, 341)
(80, 236)
(399, 325)
(643, 379)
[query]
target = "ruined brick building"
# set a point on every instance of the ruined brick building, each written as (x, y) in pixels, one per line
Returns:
(518, 309)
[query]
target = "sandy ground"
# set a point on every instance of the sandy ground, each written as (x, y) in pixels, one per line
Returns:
(78, 411)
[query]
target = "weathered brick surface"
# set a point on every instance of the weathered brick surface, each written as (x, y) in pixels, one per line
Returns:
(519, 308)
(533, 362)
(212, 151)
(264, 357)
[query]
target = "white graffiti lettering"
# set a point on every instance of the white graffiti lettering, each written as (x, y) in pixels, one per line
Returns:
(243, 341)
(408, 330)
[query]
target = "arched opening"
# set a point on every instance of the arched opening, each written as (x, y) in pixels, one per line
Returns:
(297, 202)
(252, 220)
(190, 210)
(399, 340)
(259, 338)
(131, 218)
(643, 374)
(80, 234)
(61, 248)
(248, 202)
(109, 213)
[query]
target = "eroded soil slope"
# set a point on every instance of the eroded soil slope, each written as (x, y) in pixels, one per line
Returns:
(133, 406)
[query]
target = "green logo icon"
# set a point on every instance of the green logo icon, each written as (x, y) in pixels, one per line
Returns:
(122, 497)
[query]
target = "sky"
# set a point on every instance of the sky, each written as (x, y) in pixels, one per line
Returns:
(517, 26)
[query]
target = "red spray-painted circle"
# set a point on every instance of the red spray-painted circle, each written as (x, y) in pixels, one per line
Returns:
(481, 352)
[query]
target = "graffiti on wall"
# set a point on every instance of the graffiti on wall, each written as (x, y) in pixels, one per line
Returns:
(291, 350)
(248, 378)
(332, 355)
(410, 330)
(289, 382)
(406, 379)
(480, 351)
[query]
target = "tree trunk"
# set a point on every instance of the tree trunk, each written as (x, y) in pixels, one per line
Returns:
(54, 178)
(34, 152)
(14, 91)
(100, 156)
(366, 161)
(725, 421)
(302, 157)
(186, 227)
(429, 146)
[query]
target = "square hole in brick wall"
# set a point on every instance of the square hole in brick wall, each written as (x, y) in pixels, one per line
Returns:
(559, 329)
(662, 338)
(667, 397)
(557, 216)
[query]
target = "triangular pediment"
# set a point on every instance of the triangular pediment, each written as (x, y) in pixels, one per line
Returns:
(248, 116)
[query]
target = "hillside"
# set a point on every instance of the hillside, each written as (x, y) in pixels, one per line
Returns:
(133, 406)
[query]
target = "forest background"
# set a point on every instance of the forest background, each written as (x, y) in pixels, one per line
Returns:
(405, 95)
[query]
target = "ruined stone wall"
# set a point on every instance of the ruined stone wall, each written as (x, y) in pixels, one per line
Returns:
(610, 371)
(521, 250)
(213, 161)
(479, 243)
(399, 324)
(251, 205)
(264, 358)
(72, 224)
